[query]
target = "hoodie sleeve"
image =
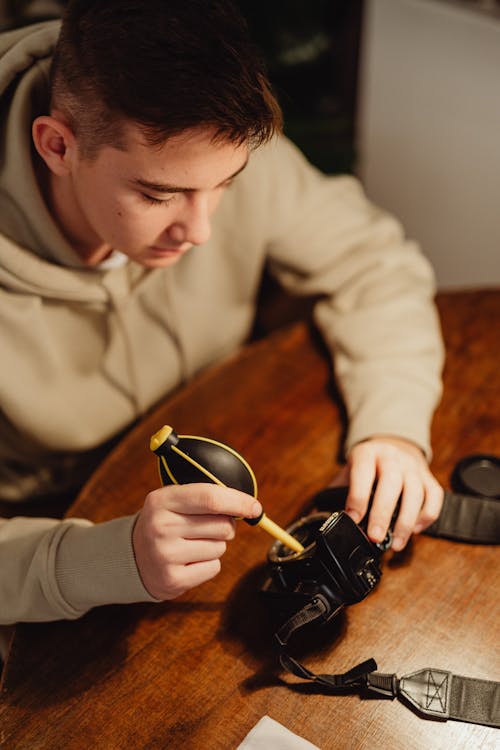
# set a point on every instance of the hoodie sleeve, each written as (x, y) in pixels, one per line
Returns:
(51, 570)
(375, 311)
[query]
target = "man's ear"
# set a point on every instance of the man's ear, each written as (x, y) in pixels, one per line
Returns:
(55, 142)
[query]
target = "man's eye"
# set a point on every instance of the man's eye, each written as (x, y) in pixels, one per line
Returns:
(156, 201)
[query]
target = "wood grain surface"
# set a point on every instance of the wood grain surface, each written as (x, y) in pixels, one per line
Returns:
(199, 672)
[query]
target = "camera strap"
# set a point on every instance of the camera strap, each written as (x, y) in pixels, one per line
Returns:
(432, 693)
(319, 608)
(468, 518)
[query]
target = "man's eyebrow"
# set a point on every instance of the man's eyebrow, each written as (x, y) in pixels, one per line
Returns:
(161, 187)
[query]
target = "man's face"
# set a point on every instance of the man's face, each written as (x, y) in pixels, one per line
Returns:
(152, 204)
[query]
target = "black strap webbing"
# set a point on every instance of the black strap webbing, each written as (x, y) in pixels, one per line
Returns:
(353, 679)
(318, 607)
(467, 518)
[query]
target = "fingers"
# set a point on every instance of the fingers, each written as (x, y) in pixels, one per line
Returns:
(208, 499)
(421, 504)
(198, 573)
(401, 472)
(412, 498)
(177, 579)
(181, 534)
(431, 507)
(362, 474)
(389, 487)
(206, 527)
(199, 550)
(182, 578)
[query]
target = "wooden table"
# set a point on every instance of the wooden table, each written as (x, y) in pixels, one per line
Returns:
(200, 671)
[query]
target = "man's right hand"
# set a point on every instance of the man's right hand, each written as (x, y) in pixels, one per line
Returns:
(181, 534)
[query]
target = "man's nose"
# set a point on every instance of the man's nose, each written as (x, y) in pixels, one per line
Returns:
(193, 224)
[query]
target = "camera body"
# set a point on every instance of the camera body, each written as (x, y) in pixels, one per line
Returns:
(339, 562)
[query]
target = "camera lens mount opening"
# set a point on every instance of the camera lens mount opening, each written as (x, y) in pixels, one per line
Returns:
(304, 530)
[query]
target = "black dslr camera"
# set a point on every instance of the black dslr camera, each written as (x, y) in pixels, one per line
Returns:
(339, 563)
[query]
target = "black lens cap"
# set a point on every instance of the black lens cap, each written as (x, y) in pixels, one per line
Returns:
(477, 475)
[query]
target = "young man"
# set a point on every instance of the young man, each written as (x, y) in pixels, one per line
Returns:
(144, 186)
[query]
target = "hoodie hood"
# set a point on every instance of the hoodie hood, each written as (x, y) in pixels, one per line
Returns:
(25, 57)
(22, 48)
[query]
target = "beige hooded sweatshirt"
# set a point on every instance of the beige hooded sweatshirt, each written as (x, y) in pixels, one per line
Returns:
(86, 351)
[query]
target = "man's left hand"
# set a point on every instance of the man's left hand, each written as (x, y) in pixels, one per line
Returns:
(400, 469)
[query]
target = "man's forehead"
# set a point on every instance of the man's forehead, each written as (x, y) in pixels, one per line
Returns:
(188, 160)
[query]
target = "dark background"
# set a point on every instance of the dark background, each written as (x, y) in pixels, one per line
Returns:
(311, 49)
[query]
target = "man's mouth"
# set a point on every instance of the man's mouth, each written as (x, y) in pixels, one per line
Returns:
(171, 250)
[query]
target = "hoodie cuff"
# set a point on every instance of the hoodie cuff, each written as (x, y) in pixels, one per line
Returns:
(95, 565)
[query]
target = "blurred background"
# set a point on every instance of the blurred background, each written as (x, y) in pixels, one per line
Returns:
(402, 93)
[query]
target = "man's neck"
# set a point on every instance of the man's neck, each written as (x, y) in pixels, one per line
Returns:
(63, 206)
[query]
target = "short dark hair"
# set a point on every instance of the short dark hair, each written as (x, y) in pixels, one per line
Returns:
(167, 65)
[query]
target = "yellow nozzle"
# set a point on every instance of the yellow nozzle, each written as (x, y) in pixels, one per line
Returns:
(159, 437)
(277, 532)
